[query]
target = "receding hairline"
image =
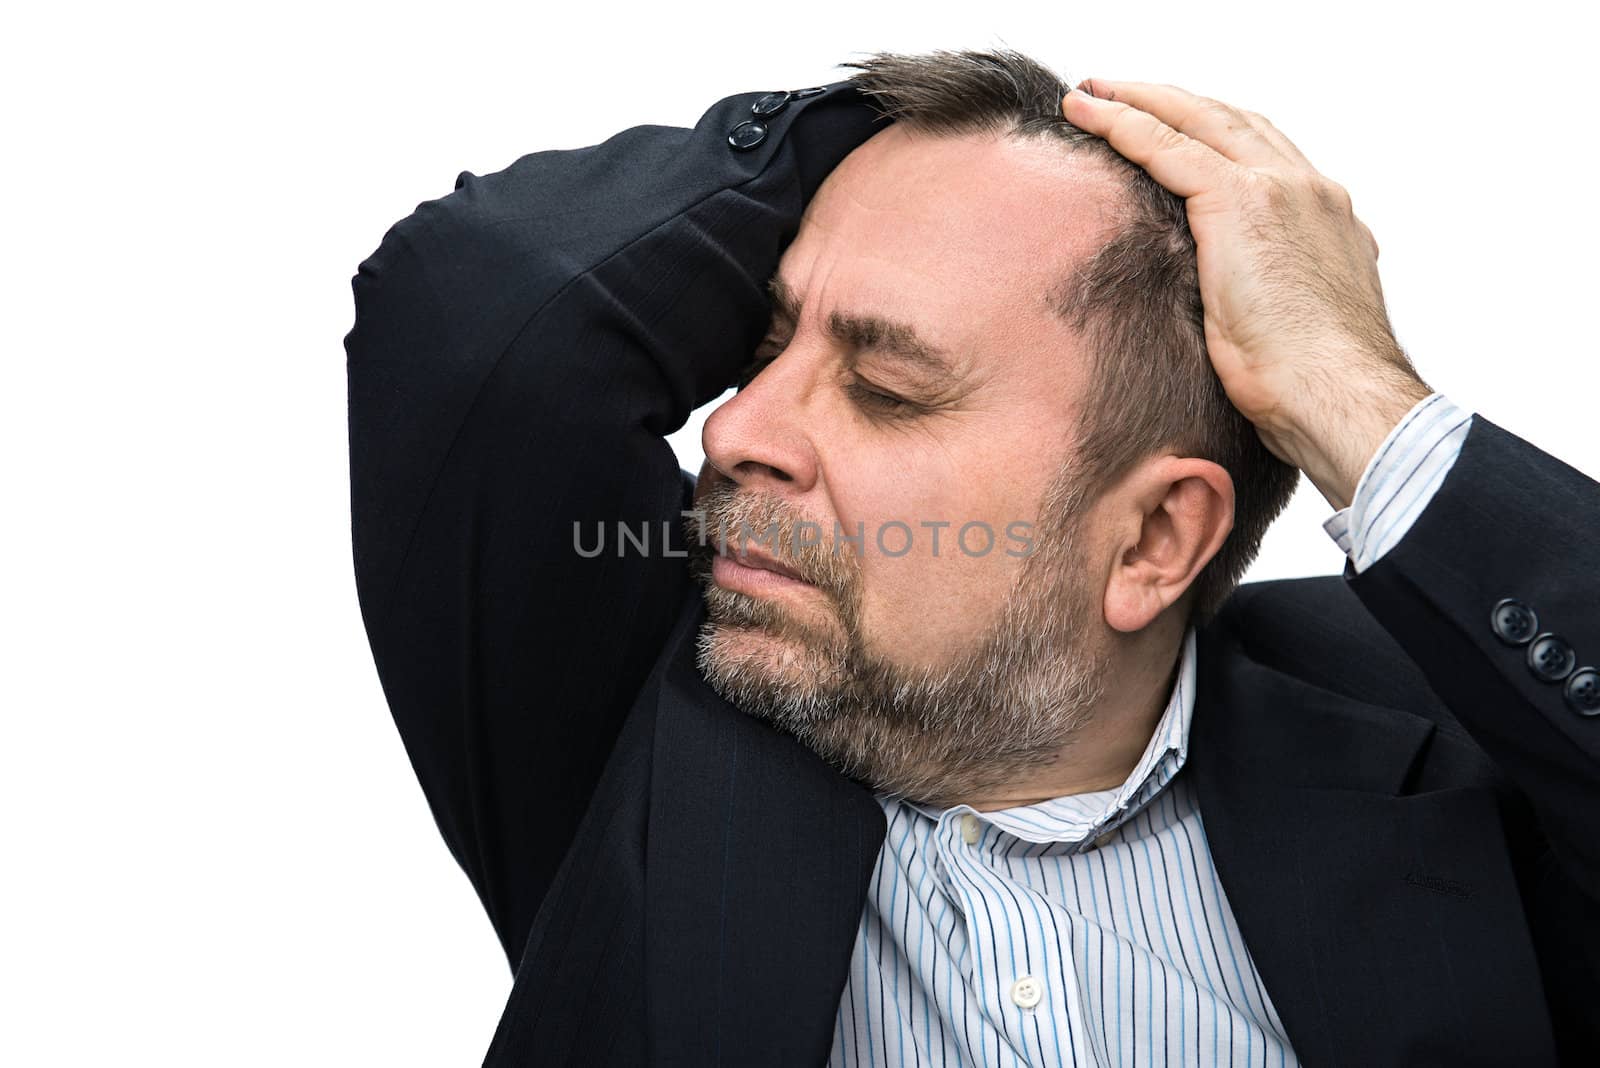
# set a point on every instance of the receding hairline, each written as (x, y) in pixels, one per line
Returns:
(1097, 173)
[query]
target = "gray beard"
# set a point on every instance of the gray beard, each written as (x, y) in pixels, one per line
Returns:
(1005, 706)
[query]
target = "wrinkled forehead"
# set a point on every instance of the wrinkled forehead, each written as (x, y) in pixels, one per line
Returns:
(964, 234)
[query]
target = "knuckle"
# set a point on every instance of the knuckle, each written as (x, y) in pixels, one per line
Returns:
(1371, 239)
(1125, 120)
(1331, 195)
(1220, 112)
(1168, 138)
(1235, 120)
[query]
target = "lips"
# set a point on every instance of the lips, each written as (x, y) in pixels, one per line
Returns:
(753, 558)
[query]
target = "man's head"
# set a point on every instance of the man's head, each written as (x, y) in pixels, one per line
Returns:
(986, 433)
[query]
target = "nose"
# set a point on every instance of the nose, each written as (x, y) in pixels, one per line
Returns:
(758, 438)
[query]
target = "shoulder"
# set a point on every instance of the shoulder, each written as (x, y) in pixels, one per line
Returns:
(1315, 629)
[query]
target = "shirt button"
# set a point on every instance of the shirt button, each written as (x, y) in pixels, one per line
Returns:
(969, 828)
(1026, 992)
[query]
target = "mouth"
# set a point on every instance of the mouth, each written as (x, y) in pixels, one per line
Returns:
(754, 572)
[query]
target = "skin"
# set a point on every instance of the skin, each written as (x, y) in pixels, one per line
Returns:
(961, 238)
(1295, 319)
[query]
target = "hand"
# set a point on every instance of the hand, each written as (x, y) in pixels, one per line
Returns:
(1295, 321)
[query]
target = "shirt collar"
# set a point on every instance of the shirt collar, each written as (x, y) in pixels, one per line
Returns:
(1076, 817)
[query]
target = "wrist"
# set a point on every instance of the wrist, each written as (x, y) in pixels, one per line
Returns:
(1334, 446)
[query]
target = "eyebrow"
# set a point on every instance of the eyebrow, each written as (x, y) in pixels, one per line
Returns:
(873, 333)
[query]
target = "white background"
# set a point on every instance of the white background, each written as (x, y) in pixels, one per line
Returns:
(216, 851)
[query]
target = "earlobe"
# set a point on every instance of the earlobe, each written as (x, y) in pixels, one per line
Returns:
(1135, 587)
(1131, 605)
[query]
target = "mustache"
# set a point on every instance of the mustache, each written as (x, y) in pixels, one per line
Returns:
(728, 517)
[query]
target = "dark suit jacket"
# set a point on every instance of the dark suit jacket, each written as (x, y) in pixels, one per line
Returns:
(1405, 819)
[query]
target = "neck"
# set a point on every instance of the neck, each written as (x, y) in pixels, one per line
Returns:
(1105, 751)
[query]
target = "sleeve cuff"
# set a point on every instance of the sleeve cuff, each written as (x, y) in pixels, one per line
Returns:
(1400, 480)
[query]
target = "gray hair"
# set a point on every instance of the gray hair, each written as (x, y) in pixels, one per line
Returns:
(1135, 301)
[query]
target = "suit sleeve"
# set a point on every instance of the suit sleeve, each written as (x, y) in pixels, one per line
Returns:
(1509, 522)
(521, 347)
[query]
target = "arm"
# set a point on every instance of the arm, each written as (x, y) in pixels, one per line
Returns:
(521, 347)
(1423, 564)
(1297, 331)
(1509, 521)
(1400, 480)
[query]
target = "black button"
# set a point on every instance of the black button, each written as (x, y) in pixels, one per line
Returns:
(801, 94)
(1550, 658)
(1513, 622)
(770, 104)
(1583, 692)
(747, 135)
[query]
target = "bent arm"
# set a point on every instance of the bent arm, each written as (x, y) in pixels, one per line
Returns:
(521, 348)
(1509, 521)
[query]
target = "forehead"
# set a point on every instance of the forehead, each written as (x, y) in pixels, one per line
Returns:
(961, 235)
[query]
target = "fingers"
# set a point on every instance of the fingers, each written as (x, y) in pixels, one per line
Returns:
(1211, 122)
(1186, 142)
(1274, 135)
(1183, 164)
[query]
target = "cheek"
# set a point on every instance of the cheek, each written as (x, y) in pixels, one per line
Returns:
(924, 608)
(938, 557)
(984, 468)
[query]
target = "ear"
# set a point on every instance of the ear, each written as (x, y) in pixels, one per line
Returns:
(1167, 519)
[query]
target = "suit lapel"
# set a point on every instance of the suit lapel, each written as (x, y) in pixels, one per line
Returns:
(758, 860)
(1367, 911)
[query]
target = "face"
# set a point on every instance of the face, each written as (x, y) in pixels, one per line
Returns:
(907, 417)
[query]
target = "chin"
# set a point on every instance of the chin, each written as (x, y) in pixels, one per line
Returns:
(755, 650)
(768, 673)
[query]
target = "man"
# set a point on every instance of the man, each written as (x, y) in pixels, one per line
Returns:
(799, 782)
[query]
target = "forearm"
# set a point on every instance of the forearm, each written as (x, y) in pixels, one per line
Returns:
(1507, 521)
(522, 346)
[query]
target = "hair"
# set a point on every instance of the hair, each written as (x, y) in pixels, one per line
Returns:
(1135, 301)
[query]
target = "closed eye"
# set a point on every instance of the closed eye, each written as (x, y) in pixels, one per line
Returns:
(877, 401)
(866, 396)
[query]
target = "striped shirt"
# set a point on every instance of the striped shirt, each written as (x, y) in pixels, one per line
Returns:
(1092, 929)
